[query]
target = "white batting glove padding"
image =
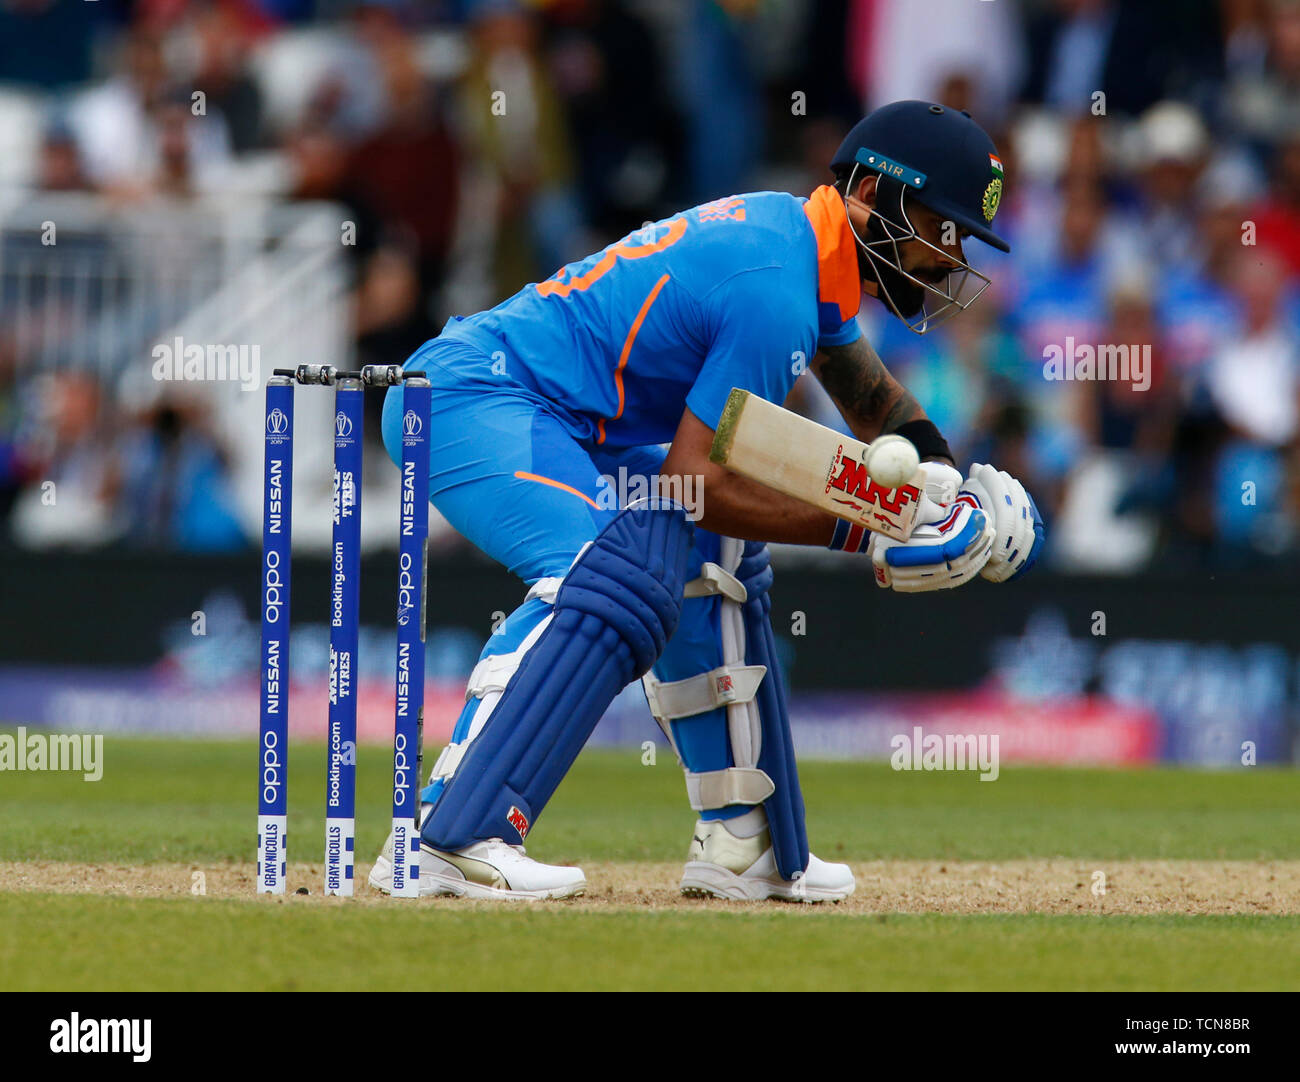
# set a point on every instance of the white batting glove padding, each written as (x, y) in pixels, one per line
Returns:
(1014, 519)
(939, 555)
(941, 481)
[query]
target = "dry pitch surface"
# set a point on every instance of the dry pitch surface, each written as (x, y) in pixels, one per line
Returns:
(895, 886)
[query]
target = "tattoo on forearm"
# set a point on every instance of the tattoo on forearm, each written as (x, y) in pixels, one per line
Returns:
(861, 385)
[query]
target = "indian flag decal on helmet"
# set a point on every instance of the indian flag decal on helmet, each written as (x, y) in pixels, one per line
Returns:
(995, 163)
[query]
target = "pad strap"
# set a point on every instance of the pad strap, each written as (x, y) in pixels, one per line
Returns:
(732, 684)
(492, 674)
(449, 760)
(735, 785)
(713, 579)
(703, 692)
(545, 588)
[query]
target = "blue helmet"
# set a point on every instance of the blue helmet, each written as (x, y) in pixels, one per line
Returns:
(942, 159)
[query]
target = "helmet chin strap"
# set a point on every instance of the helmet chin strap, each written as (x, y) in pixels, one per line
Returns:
(910, 298)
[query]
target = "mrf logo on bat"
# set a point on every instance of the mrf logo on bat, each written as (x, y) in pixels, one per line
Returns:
(850, 477)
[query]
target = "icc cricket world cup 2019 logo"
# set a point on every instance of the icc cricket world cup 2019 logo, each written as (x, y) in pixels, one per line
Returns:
(277, 424)
(342, 425)
(411, 425)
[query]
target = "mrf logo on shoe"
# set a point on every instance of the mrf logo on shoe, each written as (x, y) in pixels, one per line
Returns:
(518, 820)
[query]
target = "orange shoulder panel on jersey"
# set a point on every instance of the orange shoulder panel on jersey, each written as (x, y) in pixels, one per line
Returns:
(837, 252)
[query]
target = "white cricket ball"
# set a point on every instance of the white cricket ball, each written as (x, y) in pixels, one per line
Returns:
(891, 460)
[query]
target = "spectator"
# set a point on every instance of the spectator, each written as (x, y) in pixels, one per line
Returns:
(137, 134)
(1196, 303)
(222, 42)
(13, 468)
(406, 171)
(609, 76)
(1077, 48)
(895, 54)
(69, 499)
(1253, 379)
(1173, 145)
(719, 97)
(1263, 97)
(1255, 387)
(1277, 218)
(1119, 480)
(1065, 296)
(1132, 414)
(518, 132)
(59, 167)
(172, 491)
(964, 369)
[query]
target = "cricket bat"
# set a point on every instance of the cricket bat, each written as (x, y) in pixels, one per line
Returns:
(820, 466)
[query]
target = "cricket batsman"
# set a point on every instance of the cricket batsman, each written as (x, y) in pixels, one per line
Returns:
(624, 361)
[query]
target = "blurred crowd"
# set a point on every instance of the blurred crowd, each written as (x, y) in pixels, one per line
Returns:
(1152, 200)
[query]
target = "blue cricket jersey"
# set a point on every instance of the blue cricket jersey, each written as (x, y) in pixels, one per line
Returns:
(739, 292)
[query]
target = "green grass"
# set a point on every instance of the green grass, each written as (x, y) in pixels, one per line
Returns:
(192, 801)
(118, 943)
(180, 800)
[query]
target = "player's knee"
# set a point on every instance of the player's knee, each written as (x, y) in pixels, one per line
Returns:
(631, 578)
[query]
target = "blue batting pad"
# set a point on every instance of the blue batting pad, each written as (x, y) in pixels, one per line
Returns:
(614, 613)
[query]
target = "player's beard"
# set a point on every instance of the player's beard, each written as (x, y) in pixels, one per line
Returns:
(907, 296)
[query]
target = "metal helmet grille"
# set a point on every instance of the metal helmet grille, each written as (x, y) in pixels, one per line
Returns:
(941, 301)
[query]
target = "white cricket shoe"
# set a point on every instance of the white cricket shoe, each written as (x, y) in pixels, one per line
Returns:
(490, 869)
(720, 865)
(381, 872)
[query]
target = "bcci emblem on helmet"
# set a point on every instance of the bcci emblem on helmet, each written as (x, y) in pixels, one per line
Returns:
(992, 198)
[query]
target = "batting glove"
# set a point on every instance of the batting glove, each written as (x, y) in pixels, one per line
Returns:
(938, 556)
(942, 482)
(1016, 521)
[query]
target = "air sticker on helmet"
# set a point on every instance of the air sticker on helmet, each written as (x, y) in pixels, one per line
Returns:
(890, 168)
